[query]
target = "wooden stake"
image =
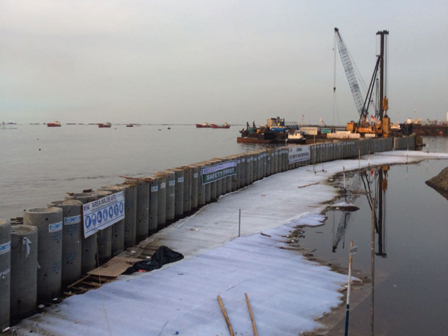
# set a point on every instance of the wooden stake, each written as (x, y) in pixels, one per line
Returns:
(251, 315)
(229, 325)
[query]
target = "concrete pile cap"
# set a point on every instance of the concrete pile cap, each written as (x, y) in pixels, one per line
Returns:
(48, 210)
(21, 230)
(133, 180)
(114, 188)
(68, 202)
(73, 195)
(102, 193)
(4, 222)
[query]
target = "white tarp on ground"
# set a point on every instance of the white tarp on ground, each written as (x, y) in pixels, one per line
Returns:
(287, 292)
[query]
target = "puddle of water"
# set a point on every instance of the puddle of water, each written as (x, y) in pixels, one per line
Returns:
(411, 245)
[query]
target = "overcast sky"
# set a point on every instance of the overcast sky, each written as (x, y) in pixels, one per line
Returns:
(179, 61)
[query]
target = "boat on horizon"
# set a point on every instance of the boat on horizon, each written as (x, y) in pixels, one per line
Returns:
(225, 125)
(54, 124)
(105, 125)
(203, 125)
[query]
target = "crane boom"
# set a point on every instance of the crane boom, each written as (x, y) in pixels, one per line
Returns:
(350, 72)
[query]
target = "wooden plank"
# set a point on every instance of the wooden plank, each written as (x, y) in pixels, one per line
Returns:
(77, 282)
(114, 267)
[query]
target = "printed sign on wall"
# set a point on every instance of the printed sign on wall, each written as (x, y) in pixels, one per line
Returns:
(299, 154)
(102, 213)
(218, 172)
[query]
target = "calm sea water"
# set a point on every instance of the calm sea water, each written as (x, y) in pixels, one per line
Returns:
(40, 164)
(411, 296)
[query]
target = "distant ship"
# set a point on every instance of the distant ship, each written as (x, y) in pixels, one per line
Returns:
(54, 124)
(105, 125)
(225, 125)
(203, 125)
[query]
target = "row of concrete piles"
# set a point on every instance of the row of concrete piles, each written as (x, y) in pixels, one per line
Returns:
(40, 257)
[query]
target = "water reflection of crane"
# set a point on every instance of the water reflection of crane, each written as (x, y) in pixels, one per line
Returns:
(372, 179)
(379, 182)
(346, 216)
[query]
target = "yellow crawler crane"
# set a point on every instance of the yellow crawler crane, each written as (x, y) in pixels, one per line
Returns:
(380, 124)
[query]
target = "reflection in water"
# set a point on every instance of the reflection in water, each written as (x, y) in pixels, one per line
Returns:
(346, 216)
(374, 183)
(375, 186)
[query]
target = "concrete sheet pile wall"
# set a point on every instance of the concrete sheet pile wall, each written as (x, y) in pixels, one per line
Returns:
(404, 143)
(142, 209)
(179, 192)
(5, 272)
(71, 240)
(49, 228)
(130, 219)
(24, 245)
(187, 189)
(104, 237)
(89, 252)
(153, 205)
(161, 202)
(170, 196)
(194, 187)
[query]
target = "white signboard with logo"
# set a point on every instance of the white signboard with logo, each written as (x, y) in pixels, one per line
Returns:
(102, 213)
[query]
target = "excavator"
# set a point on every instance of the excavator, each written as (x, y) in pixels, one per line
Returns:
(379, 125)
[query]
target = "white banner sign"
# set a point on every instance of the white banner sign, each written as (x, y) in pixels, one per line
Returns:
(299, 154)
(218, 171)
(102, 213)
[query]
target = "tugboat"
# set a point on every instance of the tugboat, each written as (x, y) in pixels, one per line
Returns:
(296, 137)
(225, 125)
(54, 124)
(105, 125)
